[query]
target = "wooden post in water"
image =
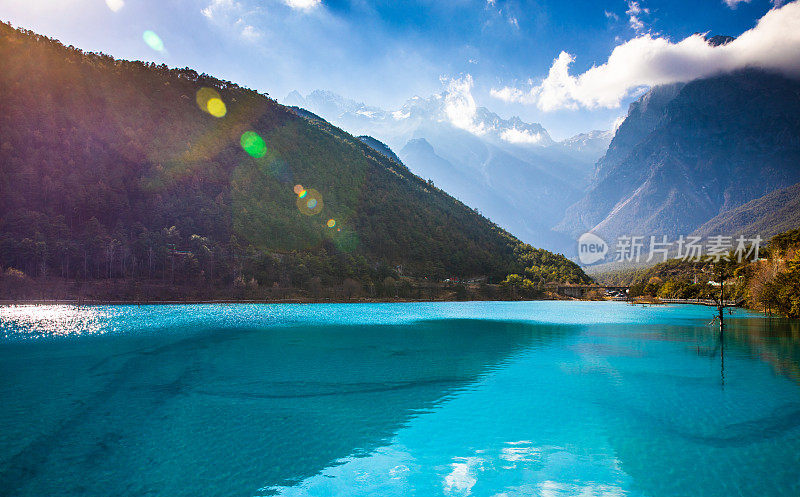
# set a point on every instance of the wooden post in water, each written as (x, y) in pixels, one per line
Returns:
(720, 267)
(720, 270)
(721, 306)
(721, 309)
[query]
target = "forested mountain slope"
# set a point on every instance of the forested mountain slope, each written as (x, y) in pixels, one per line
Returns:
(117, 169)
(766, 216)
(511, 170)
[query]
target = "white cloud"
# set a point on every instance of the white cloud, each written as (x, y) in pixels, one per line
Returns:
(302, 4)
(249, 32)
(611, 15)
(219, 7)
(634, 8)
(231, 13)
(459, 105)
(646, 61)
(734, 3)
(399, 115)
(502, 12)
(556, 91)
(634, 13)
(509, 94)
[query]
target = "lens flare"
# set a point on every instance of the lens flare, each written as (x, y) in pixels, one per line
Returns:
(216, 107)
(331, 223)
(203, 95)
(253, 144)
(298, 189)
(310, 202)
(153, 41)
(210, 101)
(303, 193)
(115, 5)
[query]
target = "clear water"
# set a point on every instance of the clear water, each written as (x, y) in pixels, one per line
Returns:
(482, 399)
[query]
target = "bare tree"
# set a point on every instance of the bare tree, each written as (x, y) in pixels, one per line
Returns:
(351, 288)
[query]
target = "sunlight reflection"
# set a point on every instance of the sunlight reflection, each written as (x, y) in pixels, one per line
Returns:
(551, 488)
(462, 478)
(331, 223)
(49, 320)
(520, 451)
(514, 468)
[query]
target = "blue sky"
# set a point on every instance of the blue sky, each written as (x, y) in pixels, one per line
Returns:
(385, 52)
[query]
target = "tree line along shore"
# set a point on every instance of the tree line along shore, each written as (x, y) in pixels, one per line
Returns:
(771, 284)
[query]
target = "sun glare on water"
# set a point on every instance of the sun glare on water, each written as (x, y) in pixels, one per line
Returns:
(31, 321)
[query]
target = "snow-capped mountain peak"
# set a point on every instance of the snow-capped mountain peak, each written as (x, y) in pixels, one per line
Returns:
(511, 170)
(438, 108)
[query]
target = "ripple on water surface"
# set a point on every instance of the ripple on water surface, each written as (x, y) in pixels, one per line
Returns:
(480, 399)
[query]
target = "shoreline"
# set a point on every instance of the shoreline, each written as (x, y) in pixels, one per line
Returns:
(268, 301)
(399, 300)
(295, 301)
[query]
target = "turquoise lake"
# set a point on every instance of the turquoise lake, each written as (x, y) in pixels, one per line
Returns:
(590, 399)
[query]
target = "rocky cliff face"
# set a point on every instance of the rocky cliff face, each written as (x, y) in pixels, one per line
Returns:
(766, 216)
(688, 152)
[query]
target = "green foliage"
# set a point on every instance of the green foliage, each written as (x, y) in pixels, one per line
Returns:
(518, 287)
(15, 275)
(782, 292)
(785, 241)
(771, 284)
(540, 266)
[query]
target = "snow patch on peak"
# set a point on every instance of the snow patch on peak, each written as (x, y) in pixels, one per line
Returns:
(514, 135)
